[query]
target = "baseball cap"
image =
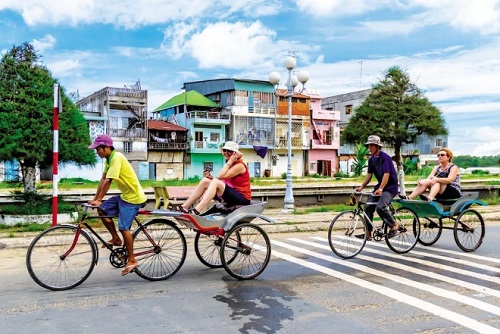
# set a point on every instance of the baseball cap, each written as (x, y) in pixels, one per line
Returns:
(102, 140)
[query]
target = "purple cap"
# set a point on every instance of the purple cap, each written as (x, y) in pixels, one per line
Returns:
(102, 140)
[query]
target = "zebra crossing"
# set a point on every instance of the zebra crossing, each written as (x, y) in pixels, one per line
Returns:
(465, 279)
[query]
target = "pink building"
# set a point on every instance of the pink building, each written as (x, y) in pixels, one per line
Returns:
(325, 139)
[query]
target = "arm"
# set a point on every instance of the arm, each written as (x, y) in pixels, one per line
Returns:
(102, 190)
(229, 170)
(452, 176)
(365, 182)
(383, 183)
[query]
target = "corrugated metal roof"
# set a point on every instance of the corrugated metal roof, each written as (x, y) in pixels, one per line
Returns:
(164, 126)
(191, 98)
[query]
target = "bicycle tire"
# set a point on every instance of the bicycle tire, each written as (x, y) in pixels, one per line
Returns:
(49, 269)
(430, 231)
(163, 261)
(408, 231)
(343, 231)
(207, 249)
(245, 251)
(469, 230)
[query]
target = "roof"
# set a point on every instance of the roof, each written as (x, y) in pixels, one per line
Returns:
(191, 98)
(164, 126)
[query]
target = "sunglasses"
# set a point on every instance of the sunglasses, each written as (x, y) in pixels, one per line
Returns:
(226, 151)
(441, 155)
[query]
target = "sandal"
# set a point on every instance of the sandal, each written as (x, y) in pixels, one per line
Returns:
(194, 211)
(180, 208)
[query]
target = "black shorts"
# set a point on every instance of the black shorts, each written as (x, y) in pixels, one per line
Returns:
(449, 193)
(232, 197)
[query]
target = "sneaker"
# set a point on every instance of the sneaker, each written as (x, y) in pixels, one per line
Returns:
(424, 198)
(392, 233)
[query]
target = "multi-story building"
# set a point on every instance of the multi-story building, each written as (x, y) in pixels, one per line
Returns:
(205, 123)
(120, 113)
(347, 104)
(167, 147)
(259, 122)
(325, 141)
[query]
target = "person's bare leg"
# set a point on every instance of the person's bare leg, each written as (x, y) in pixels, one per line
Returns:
(420, 189)
(197, 193)
(216, 187)
(435, 189)
(110, 226)
(129, 245)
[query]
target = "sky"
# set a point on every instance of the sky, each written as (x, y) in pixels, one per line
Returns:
(450, 48)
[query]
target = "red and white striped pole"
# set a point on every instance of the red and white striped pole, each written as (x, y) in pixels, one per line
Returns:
(55, 154)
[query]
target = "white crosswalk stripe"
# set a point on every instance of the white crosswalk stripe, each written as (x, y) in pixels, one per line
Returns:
(413, 265)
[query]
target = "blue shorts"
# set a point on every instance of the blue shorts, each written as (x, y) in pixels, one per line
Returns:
(126, 211)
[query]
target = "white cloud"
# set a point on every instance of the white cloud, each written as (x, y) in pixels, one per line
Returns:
(329, 8)
(222, 44)
(123, 13)
(465, 15)
(43, 44)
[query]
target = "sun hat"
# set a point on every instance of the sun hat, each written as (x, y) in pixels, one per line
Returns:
(374, 140)
(231, 146)
(102, 140)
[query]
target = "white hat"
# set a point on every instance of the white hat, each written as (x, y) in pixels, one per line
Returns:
(231, 146)
(374, 140)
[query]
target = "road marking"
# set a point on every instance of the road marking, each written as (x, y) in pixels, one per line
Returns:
(483, 277)
(391, 293)
(413, 270)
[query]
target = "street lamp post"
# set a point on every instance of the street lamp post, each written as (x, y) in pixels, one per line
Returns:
(274, 78)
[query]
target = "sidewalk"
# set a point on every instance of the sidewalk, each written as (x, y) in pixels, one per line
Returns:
(283, 222)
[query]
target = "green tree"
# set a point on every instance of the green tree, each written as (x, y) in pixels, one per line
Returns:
(398, 112)
(26, 117)
(360, 158)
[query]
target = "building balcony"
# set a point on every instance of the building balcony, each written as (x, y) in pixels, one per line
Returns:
(208, 117)
(128, 133)
(168, 146)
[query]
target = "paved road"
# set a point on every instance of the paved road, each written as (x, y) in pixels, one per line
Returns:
(305, 288)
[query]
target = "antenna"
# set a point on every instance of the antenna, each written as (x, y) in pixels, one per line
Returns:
(360, 72)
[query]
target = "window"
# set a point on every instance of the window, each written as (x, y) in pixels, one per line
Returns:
(348, 109)
(214, 137)
(439, 142)
(127, 147)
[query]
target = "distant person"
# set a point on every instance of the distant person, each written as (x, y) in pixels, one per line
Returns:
(380, 164)
(126, 205)
(232, 185)
(443, 182)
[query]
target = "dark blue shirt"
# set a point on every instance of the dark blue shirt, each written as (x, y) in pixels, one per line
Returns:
(380, 165)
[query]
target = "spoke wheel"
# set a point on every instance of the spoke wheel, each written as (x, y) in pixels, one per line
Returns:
(164, 260)
(430, 231)
(245, 251)
(347, 234)
(50, 268)
(408, 231)
(469, 230)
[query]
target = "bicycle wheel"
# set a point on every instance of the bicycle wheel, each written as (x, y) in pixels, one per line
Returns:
(430, 231)
(245, 251)
(56, 262)
(167, 257)
(469, 230)
(347, 234)
(207, 249)
(408, 231)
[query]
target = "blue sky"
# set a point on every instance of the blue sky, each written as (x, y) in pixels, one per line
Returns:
(450, 48)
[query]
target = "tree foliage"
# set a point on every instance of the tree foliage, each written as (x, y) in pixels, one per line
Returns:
(466, 161)
(360, 159)
(397, 111)
(26, 117)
